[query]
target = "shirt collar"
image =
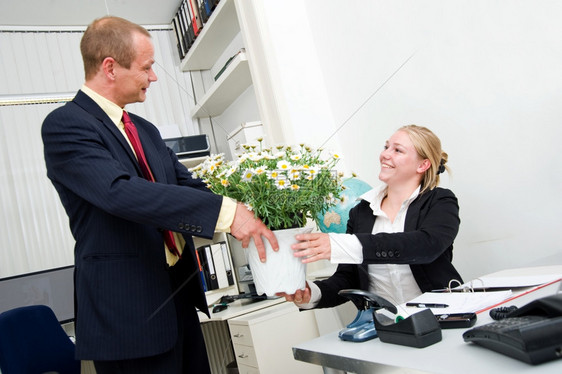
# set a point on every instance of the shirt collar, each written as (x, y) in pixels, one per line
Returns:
(375, 196)
(113, 111)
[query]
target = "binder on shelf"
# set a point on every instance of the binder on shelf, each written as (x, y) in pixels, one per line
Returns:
(203, 13)
(220, 268)
(186, 16)
(209, 6)
(201, 271)
(195, 18)
(227, 264)
(212, 273)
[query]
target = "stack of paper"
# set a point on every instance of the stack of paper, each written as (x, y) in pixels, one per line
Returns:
(456, 302)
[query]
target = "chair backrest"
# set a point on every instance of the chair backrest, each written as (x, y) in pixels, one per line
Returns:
(33, 341)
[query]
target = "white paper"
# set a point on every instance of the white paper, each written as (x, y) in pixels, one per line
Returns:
(458, 302)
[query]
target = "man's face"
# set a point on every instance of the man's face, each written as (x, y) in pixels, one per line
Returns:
(132, 83)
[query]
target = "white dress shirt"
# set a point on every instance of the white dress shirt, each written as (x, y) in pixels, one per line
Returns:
(394, 282)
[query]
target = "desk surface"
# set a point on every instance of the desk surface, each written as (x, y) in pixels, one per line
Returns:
(238, 308)
(451, 355)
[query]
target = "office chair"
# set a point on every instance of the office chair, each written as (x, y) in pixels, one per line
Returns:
(33, 341)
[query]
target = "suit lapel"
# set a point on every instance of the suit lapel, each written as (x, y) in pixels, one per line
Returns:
(90, 106)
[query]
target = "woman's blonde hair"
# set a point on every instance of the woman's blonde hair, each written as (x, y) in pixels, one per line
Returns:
(428, 146)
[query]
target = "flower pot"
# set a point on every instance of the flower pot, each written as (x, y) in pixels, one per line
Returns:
(282, 271)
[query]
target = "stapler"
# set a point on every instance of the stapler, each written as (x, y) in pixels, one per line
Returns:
(418, 330)
(362, 328)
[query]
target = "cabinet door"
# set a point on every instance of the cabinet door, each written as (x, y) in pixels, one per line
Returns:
(274, 331)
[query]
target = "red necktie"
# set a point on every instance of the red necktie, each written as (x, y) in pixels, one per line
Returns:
(133, 136)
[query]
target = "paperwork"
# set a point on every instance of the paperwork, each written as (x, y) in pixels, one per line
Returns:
(457, 302)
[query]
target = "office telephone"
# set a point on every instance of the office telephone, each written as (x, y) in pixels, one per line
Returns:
(532, 333)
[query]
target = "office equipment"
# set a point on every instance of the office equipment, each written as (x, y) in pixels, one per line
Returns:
(532, 333)
(227, 263)
(418, 330)
(220, 268)
(209, 268)
(195, 18)
(362, 328)
(52, 287)
(427, 305)
(189, 146)
(456, 320)
(33, 341)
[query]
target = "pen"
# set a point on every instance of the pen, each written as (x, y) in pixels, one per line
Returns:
(427, 305)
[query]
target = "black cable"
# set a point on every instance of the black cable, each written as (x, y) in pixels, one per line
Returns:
(501, 312)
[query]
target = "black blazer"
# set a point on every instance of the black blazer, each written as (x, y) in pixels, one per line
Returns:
(431, 225)
(123, 289)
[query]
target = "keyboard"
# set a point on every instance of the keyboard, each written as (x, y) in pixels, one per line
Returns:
(532, 339)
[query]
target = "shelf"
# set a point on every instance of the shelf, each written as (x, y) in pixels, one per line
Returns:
(232, 82)
(215, 36)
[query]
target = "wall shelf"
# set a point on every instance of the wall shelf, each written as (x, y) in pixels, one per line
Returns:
(231, 83)
(215, 36)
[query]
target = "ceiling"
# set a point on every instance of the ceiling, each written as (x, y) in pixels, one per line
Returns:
(83, 12)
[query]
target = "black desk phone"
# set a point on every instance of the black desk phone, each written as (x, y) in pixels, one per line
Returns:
(532, 333)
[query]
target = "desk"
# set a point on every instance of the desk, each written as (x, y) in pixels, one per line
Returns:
(451, 355)
(239, 307)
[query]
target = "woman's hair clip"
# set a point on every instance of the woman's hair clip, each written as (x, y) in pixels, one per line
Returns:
(441, 167)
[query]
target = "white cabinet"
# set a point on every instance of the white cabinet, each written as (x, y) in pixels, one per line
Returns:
(263, 340)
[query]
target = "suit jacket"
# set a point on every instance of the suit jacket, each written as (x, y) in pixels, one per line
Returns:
(431, 225)
(123, 290)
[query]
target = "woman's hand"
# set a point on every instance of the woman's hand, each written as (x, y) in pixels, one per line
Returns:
(312, 247)
(299, 297)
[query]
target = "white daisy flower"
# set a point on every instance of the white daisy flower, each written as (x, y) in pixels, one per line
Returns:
(247, 175)
(283, 165)
(281, 183)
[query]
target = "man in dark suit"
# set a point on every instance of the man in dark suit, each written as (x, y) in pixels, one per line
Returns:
(135, 298)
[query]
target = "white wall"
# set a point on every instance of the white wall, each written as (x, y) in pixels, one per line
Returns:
(484, 75)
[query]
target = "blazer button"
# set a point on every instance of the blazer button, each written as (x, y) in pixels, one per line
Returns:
(193, 228)
(199, 229)
(378, 254)
(390, 254)
(397, 253)
(383, 254)
(180, 226)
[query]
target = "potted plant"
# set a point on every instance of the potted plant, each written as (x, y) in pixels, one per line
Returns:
(284, 186)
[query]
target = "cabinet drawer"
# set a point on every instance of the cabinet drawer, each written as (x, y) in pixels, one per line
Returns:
(243, 369)
(240, 334)
(245, 355)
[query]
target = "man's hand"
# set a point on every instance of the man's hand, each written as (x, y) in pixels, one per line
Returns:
(246, 227)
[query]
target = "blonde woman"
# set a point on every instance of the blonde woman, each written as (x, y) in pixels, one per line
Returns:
(399, 240)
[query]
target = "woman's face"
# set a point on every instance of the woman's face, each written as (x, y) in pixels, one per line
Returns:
(400, 162)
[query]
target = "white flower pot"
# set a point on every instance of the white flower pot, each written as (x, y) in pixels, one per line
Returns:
(282, 271)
